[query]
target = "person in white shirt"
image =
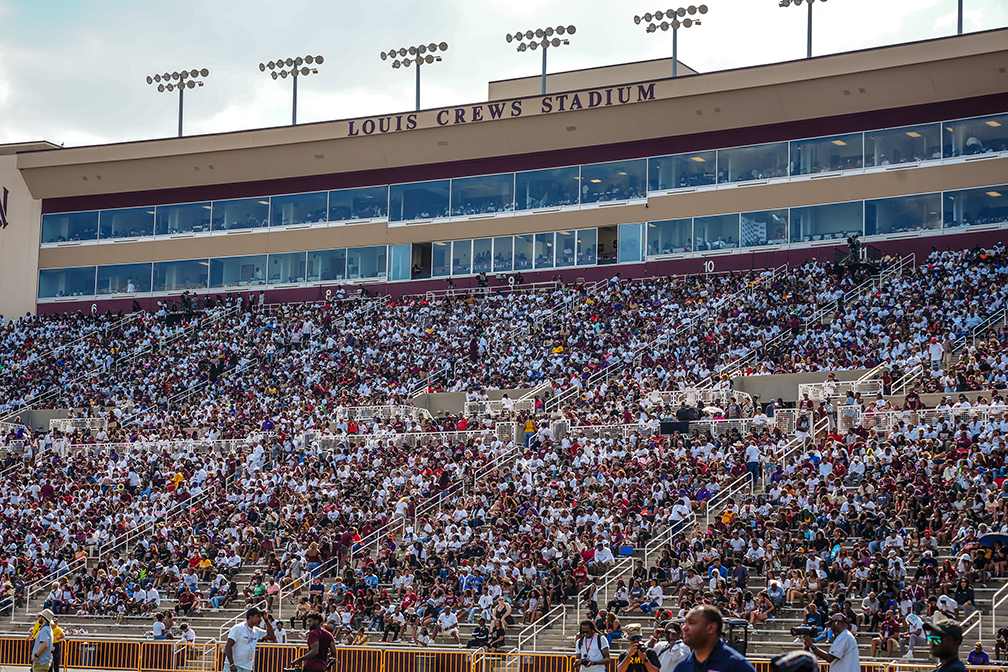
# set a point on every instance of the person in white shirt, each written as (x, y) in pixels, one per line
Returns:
(671, 651)
(448, 625)
(239, 652)
(843, 655)
(591, 648)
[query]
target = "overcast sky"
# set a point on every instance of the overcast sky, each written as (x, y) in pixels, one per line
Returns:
(73, 71)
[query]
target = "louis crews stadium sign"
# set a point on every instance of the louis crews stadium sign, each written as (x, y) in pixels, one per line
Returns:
(506, 109)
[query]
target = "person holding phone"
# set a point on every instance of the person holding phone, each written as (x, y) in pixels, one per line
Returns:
(321, 644)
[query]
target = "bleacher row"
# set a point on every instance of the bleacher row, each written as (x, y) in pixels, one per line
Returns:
(153, 491)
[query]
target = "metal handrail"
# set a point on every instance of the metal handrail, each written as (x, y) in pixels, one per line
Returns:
(1000, 597)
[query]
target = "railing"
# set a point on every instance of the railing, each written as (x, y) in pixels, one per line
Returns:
(1000, 597)
(442, 373)
(851, 416)
(384, 411)
(840, 388)
(557, 614)
(709, 396)
(743, 485)
(969, 624)
(976, 333)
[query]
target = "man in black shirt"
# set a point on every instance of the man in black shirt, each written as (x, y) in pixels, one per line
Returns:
(639, 658)
(944, 639)
(481, 636)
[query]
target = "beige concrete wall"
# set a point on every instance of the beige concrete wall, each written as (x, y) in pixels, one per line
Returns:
(19, 242)
(785, 385)
(589, 78)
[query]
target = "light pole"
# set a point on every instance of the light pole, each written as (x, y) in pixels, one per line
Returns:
(960, 17)
(541, 37)
(297, 69)
(415, 56)
(181, 81)
(675, 24)
(797, 3)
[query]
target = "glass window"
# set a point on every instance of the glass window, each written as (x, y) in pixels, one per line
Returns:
(70, 226)
(613, 181)
(399, 261)
(441, 259)
(461, 257)
(127, 223)
(479, 195)
(60, 282)
(421, 256)
(907, 144)
(899, 215)
(502, 250)
(483, 255)
(671, 236)
(758, 162)
(720, 232)
(176, 276)
(286, 268)
(242, 213)
(124, 279)
(971, 207)
(607, 245)
(419, 200)
(295, 209)
(327, 265)
(768, 227)
(550, 188)
(566, 244)
(523, 252)
(835, 221)
(365, 203)
(587, 240)
(230, 272)
(631, 245)
(543, 250)
(824, 155)
(681, 170)
(366, 262)
(982, 135)
(184, 218)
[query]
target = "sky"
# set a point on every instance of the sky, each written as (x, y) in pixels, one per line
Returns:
(74, 72)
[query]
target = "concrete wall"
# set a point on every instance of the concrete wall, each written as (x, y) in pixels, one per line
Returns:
(19, 241)
(454, 402)
(785, 385)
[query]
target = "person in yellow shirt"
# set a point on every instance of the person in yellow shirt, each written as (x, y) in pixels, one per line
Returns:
(57, 634)
(530, 430)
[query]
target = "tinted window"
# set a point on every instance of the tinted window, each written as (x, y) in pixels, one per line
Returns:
(172, 276)
(184, 218)
(480, 195)
(835, 221)
(613, 181)
(366, 262)
(296, 209)
(903, 145)
(419, 200)
(720, 232)
(327, 265)
(972, 207)
(124, 279)
(970, 137)
(364, 203)
(899, 215)
(70, 226)
(550, 188)
(245, 213)
(671, 236)
(127, 223)
(60, 282)
(824, 155)
(286, 268)
(768, 227)
(681, 171)
(758, 162)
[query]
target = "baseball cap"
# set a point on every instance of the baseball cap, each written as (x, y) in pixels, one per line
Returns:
(945, 629)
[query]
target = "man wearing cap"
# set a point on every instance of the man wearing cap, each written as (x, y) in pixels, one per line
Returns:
(978, 656)
(843, 655)
(639, 658)
(42, 648)
(944, 638)
(239, 651)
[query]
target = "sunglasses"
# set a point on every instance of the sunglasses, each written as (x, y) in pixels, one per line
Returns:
(934, 639)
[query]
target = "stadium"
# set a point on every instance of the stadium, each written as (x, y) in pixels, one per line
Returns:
(462, 378)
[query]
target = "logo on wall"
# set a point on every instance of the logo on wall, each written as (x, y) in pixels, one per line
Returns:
(3, 210)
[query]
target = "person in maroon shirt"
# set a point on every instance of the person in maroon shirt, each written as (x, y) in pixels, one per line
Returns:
(321, 645)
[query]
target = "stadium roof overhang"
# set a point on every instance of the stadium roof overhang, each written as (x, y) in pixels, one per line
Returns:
(959, 76)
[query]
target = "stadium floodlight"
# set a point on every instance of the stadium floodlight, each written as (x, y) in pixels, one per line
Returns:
(180, 80)
(544, 38)
(674, 19)
(797, 3)
(295, 68)
(404, 57)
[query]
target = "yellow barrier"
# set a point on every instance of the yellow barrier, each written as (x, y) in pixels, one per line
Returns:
(419, 660)
(520, 662)
(360, 659)
(15, 651)
(273, 657)
(101, 655)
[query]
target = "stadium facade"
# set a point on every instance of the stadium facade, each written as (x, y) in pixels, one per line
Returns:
(619, 169)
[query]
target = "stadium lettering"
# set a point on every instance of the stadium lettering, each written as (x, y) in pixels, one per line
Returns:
(451, 116)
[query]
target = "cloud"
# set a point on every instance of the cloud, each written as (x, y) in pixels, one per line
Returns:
(74, 72)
